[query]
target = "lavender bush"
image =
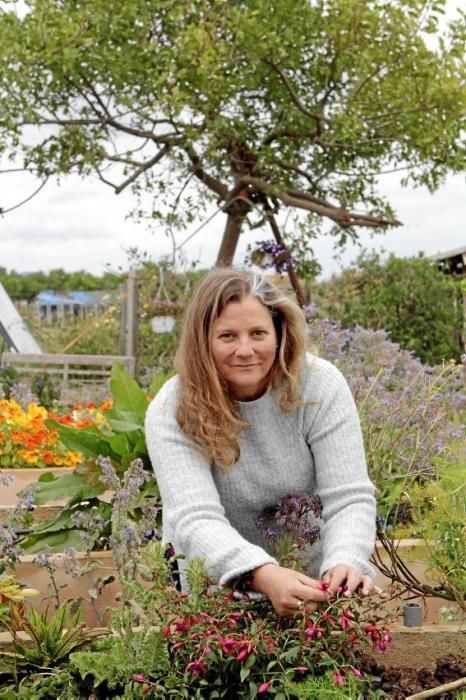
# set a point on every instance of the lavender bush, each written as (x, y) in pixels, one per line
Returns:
(411, 414)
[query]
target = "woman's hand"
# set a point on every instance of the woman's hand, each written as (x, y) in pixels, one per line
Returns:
(351, 579)
(289, 591)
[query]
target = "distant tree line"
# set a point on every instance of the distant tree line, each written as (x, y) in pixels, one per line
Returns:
(420, 306)
(25, 285)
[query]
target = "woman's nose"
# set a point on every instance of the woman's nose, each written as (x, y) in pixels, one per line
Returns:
(244, 347)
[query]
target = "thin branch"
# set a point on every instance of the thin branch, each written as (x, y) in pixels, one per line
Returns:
(398, 571)
(290, 134)
(211, 182)
(143, 168)
(104, 179)
(319, 118)
(297, 170)
(20, 204)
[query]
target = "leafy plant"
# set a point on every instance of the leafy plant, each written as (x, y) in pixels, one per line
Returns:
(12, 598)
(120, 444)
(417, 304)
(411, 415)
(51, 640)
(46, 390)
(438, 518)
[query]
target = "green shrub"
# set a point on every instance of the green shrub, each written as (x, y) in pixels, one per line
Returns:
(417, 304)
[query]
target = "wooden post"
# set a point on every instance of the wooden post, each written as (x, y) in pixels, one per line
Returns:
(131, 314)
(122, 318)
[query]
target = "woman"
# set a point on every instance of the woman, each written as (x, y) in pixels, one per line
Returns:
(249, 419)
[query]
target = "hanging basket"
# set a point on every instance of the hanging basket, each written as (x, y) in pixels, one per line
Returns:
(162, 324)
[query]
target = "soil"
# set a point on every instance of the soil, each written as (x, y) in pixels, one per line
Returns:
(418, 661)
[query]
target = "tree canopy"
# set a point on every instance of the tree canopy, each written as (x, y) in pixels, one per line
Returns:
(298, 103)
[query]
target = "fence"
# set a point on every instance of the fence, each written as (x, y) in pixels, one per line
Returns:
(74, 370)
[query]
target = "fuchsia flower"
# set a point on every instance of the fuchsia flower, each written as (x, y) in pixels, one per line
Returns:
(196, 667)
(323, 585)
(264, 687)
(302, 669)
(346, 618)
(228, 645)
(354, 671)
(243, 654)
(139, 678)
(313, 631)
(338, 679)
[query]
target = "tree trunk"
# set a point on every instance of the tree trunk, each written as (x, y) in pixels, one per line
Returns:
(230, 240)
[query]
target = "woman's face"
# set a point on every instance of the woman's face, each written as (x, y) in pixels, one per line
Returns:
(244, 346)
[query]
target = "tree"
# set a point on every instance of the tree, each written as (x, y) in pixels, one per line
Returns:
(296, 104)
(419, 305)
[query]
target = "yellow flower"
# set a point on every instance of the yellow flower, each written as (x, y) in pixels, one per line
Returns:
(35, 411)
(29, 456)
(71, 459)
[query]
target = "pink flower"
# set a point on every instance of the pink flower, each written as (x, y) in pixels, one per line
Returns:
(196, 668)
(345, 619)
(178, 645)
(228, 646)
(323, 585)
(264, 687)
(303, 669)
(314, 631)
(338, 679)
(242, 655)
(355, 671)
(139, 678)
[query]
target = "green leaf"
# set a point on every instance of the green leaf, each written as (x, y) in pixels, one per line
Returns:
(90, 441)
(71, 487)
(244, 673)
(126, 392)
(158, 381)
(54, 541)
(124, 426)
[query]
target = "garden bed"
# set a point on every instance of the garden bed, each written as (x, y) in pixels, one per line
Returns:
(419, 659)
(22, 478)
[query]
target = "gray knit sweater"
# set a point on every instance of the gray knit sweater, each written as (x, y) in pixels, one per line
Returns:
(210, 513)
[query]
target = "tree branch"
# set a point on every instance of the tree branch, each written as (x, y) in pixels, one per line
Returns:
(23, 201)
(304, 200)
(319, 118)
(198, 171)
(143, 168)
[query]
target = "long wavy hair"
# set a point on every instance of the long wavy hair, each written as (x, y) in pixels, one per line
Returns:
(206, 410)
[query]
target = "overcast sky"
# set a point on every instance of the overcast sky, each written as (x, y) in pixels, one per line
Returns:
(83, 225)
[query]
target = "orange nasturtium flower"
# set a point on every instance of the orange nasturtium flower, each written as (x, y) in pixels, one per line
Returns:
(27, 441)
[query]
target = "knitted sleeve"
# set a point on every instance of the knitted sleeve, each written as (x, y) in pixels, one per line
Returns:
(342, 483)
(194, 519)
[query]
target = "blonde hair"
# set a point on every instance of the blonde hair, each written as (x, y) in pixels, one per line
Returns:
(206, 410)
